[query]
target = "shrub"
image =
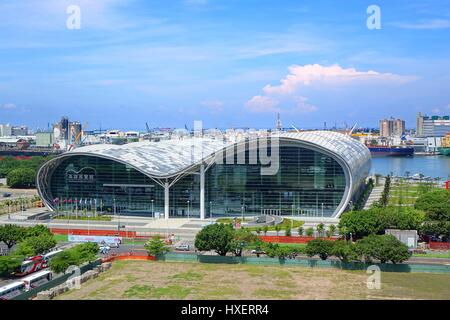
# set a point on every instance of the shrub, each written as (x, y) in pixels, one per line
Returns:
(288, 231)
(310, 232)
(320, 247)
(156, 246)
(383, 248)
(344, 251)
(435, 204)
(21, 178)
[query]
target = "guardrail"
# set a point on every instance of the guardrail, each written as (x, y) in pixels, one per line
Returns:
(290, 239)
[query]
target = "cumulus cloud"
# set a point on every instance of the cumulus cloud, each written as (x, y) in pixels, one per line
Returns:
(262, 104)
(314, 73)
(290, 91)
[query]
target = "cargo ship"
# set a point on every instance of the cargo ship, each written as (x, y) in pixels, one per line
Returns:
(445, 148)
(396, 151)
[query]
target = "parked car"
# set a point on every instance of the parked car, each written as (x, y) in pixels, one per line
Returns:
(257, 252)
(7, 195)
(182, 247)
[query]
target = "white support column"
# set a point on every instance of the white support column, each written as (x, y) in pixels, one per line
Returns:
(166, 200)
(202, 192)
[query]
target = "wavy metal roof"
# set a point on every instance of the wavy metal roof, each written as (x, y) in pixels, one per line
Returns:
(168, 157)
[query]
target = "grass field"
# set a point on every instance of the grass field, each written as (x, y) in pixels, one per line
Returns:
(177, 280)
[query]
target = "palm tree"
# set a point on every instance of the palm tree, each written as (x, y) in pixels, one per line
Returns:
(300, 230)
(320, 228)
(332, 229)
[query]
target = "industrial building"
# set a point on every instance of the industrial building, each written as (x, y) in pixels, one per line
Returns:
(318, 173)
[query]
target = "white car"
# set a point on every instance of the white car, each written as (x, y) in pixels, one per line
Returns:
(104, 249)
(182, 247)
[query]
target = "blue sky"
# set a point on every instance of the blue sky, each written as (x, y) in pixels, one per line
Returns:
(229, 63)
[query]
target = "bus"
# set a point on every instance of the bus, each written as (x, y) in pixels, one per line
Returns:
(37, 279)
(36, 263)
(48, 256)
(12, 290)
(31, 265)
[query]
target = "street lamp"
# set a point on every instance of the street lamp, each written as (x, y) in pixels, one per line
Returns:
(188, 208)
(210, 210)
(153, 211)
(322, 212)
(242, 209)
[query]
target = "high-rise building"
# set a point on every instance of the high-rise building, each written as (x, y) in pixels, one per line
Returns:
(434, 126)
(5, 130)
(392, 127)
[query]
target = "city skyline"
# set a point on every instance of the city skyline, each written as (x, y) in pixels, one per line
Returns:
(227, 63)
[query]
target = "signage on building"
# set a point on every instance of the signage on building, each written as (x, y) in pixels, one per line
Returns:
(85, 175)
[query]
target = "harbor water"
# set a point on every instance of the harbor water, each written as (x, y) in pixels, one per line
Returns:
(429, 166)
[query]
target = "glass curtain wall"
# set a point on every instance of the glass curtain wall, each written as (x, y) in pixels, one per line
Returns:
(308, 183)
(85, 183)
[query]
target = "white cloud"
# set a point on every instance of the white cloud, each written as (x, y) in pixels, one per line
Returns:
(302, 106)
(335, 75)
(424, 24)
(8, 106)
(213, 105)
(260, 104)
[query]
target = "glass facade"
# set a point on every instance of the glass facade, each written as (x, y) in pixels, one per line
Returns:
(97, 184)
(308, 183)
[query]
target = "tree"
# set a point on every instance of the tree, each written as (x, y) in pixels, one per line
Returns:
(156, 246)
(11, 234)
(38, 230)
(288, 231)
(241, 239)
(332, 229)
(277, 228)
(435, 204)
(310, 232)
(75, 256)
(344, 251)
(300, 230)
(9, 264)
(265, 229)
(383, 248)
(36, 245)
(21, 178)
(320, 247)
(320, 227)
(217, 237)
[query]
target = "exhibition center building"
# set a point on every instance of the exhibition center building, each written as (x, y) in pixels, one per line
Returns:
(303, 174)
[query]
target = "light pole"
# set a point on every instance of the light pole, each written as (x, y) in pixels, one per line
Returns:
(322, 212)
(153, 211)
(210, 210)
(188, 208)
(242, 210)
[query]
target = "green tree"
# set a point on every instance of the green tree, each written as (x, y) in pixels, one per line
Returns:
(300, 230)
(242, 238)
(288, 231)
(21, 178)
(277, 228)
(320, 247)
(265, 229)
(383, 248)
(11, 234)
(344, 251)
(9, 264)
(156, 247)
(310, 232)
(217, 237)
(38, 230)
(36, 245)
(75, 256)
(332, 229)
(435, 204)
(320, 228)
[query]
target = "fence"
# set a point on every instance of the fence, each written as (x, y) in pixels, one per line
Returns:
(290, 239)
(304, 262)
(128, 256)
(55, 282)
(439, 245)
